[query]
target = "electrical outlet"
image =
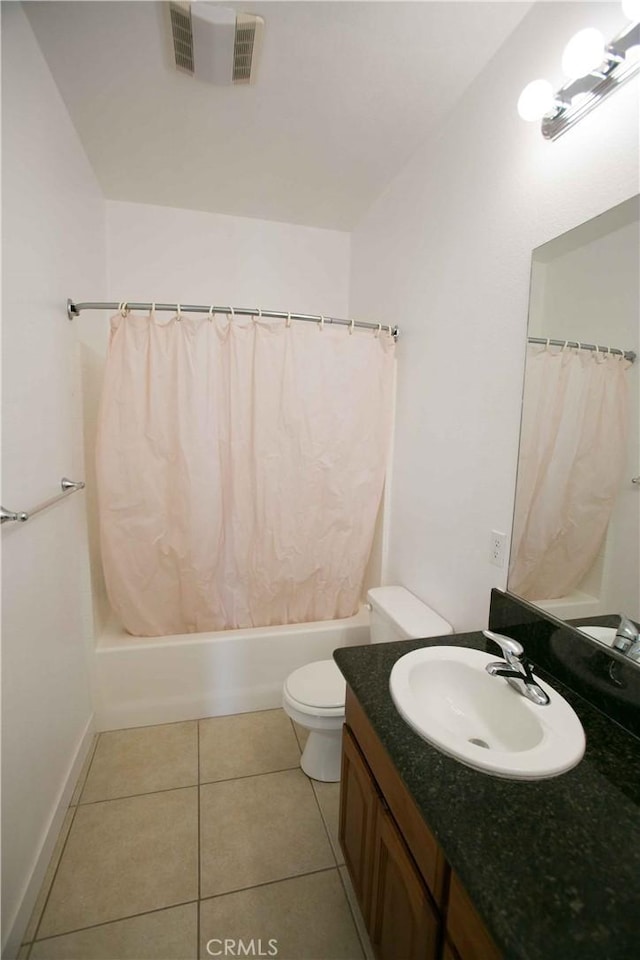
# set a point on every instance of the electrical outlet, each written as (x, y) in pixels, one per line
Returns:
(497, 548)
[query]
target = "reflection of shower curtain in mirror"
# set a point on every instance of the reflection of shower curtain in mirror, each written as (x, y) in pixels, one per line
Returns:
(240, 469)
(572, 453)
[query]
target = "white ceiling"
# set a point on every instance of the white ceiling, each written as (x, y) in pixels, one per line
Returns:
(346, 92)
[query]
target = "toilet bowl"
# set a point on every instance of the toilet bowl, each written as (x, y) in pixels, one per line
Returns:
(314, 695)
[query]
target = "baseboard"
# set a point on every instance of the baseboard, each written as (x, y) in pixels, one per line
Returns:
(14, 929)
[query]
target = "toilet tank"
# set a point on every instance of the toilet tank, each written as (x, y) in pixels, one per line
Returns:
(396, 614)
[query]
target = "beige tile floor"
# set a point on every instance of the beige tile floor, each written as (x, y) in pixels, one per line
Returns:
(183, 836)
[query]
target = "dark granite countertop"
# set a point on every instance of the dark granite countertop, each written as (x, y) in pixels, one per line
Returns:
(553, 866)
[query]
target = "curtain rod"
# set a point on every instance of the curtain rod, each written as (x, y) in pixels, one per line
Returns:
(627, 354)
(74, 310)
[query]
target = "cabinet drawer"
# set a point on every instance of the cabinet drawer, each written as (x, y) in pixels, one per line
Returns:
(420, 840)
(465, 927)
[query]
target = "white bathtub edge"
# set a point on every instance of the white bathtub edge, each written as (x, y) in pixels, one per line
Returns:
(143, 681)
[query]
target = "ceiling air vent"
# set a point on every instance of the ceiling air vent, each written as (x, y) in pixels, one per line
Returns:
(213, 44)
(248, 33)
(180, 14)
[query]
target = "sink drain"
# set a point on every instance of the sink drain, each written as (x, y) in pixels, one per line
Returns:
(479, 743)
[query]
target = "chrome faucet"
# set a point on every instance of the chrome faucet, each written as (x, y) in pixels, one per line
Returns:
(627, 639)
(515, 669)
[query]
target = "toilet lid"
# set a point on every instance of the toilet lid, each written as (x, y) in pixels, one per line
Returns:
(318, 684)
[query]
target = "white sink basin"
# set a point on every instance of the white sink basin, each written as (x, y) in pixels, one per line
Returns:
(446, 696)
(605, 635)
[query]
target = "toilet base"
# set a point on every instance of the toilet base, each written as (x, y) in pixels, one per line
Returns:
(322, 755)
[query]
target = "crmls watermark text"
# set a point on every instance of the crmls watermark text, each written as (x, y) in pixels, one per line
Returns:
(241, 948)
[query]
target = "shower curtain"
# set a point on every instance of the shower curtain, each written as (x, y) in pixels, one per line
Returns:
(240, 468)
(572, 452)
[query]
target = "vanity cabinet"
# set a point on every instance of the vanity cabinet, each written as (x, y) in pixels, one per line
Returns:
(413, 905)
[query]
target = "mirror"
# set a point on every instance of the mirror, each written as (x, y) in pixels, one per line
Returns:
(575, 548)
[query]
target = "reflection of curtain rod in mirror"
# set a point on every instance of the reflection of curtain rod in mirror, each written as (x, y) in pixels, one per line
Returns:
(627, 354)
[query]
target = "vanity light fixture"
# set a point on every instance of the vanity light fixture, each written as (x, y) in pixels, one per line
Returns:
(595, 70)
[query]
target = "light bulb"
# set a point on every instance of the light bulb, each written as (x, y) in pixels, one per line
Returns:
(583, 53)
(535, 100)
(631, 9)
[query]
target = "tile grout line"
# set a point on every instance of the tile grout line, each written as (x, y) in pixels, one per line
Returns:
(184, 903)
(249, 776)
(185, 786)
(174, 723)
(295, 733)
(81, 785)
(269, 883)
(107, 923)
(132, 796)
(324, 822)
(53, 878)
(337, 867)
(72, 807)
(365, 950)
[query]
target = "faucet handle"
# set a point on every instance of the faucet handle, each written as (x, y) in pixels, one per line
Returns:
(510, 648)
(626, 634)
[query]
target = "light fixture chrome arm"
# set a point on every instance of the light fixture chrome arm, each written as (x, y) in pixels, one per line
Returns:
(614, 71)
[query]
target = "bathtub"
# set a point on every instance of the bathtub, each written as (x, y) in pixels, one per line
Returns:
(139, 681)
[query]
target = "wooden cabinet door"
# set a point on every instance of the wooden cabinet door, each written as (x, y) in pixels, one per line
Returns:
(465, 926)
(448, 952)
(358, 802)
(404, 924)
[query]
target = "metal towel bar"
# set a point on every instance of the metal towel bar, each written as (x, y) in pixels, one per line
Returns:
(68, 487)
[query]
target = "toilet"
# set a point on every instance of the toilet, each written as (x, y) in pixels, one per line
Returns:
(314, 695)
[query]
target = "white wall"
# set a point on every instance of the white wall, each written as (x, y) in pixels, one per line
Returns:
(53, 224)
(163, 253)
(446, 253)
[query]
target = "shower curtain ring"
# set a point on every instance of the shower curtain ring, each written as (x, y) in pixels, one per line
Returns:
(152, 310)
(390, 330)
(378, 331)
(288, 324)
(178, 312)
(321, 322)
(232, 312)
(211, 313)
(351, 326)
